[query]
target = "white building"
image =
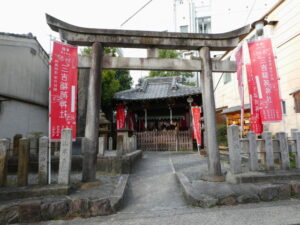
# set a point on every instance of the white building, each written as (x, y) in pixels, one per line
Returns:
(217, 16)
(23, 86)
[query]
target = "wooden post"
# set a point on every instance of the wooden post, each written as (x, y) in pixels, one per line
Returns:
(177, 140)
(253, 151)
(267, 136)
(298, 149)
(23, 160)
(92, 115)
(3, 161)
(146, 119)
(214, 165)
(284, 151)
(234, 149)
(16, 141)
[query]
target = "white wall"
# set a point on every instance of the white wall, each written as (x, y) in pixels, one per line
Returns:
(17, 117)
(23, 86)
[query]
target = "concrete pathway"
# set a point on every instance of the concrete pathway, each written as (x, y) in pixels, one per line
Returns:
(153, 185)
(154, 198)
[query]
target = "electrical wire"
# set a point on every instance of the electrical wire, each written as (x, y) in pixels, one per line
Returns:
(136, 13)
(250, 11)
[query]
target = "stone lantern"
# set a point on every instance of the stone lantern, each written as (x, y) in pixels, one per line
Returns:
(104, 127)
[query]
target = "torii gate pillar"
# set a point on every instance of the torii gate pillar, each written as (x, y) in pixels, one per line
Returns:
(90, 144)
(214, 165)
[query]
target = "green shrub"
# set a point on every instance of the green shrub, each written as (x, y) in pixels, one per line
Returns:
(222, 135)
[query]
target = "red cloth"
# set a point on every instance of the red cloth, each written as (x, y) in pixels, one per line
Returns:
(120, 116)
(255, 120)
(264, 70)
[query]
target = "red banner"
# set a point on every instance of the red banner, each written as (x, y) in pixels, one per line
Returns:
(264, 71)
(196, 114)
(255, 121)
(239, 63)
(120, 116)
(63, 90)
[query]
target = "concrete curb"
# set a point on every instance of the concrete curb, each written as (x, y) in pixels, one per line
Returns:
(117, 197)
(191, 197)
(50, 207)
(210, 194)
(11, 193)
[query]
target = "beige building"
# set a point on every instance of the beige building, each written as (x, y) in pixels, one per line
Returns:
(284, 30)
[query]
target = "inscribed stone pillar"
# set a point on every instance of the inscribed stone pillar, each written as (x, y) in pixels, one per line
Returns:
(293, 136)
(253, 151)
(92, 115)
(110, 143)
(125, 144)
(23, 161)
(33, 143)
(214, 165)
(297, 137)
(3, 162)
(267, 136)
(134, 142)
(234, 149)
(120, 145)
(16, 142)
(65, 157)
(101, 146)
(284, 151)
(43, 160)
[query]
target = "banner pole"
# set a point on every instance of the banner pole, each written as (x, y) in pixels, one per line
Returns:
(49, 104)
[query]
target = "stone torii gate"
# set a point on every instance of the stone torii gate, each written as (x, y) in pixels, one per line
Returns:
(100, 38)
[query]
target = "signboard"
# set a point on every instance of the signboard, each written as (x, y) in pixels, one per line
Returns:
(63, 90)
(120, 116)
(255, 120)
(239, 63)
(196, 114)
(265, 74)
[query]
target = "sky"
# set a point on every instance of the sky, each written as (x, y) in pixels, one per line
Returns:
(24, 16)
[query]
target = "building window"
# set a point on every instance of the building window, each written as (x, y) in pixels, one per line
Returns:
(297, 101)
(226, 77)
(283, 107)
(203, 25)
(184, 29)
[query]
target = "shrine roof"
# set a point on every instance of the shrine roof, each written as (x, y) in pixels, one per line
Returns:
(235, 109)
(158, 88)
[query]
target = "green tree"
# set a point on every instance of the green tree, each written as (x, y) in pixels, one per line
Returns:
(171, 54)
(124, 78)
(110, 85)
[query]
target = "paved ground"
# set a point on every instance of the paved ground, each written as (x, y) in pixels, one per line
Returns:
(153, 197)
(153, 185)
